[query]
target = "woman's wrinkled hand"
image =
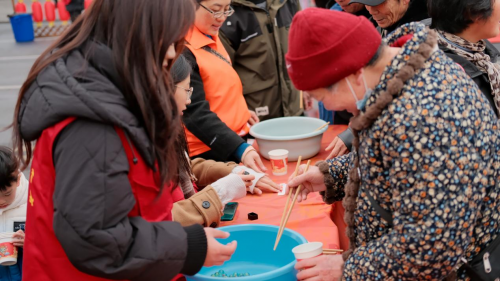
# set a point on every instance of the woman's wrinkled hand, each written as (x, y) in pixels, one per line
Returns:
(312, 181)
(321, 268)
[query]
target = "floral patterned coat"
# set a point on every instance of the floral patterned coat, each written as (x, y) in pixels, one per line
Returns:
(432, 160)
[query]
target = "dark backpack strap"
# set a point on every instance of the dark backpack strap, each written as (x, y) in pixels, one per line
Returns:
(386, 215)
(469, 272)
(471, 268)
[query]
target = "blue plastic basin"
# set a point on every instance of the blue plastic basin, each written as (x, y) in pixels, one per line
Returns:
(254, 254)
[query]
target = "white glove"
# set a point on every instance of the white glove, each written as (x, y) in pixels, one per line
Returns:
(258, 176)
(230, 187)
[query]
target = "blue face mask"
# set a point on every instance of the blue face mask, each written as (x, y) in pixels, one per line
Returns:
(360, 104)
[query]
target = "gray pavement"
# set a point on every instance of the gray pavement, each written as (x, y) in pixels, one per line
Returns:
(5, 9)
(15, 62)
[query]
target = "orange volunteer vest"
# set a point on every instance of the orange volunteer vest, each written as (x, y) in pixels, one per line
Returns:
(222, 85)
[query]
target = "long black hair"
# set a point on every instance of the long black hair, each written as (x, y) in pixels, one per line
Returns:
(139, 34)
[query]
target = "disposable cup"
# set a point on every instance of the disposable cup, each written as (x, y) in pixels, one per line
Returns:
(279, 161)
(8, 252)
(308, 250)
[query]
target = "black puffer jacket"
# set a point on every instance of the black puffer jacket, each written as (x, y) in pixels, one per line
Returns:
(91, 168)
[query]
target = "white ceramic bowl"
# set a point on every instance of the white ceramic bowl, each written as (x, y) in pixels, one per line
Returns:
(295, 134)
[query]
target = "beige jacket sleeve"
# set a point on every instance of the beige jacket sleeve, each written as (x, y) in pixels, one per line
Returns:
(209, 171)
(203, 208)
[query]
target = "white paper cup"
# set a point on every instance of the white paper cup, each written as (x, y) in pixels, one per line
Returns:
(279, 161)
(308, 250)
(8, 252)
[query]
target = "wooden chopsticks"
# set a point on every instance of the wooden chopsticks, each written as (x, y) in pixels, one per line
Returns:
(324, 125)
(286, 204)
(284, 219)
(332, 251)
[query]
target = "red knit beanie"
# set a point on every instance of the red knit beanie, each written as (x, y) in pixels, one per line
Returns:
(326, 46)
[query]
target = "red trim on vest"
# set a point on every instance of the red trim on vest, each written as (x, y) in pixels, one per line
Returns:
(44, 257)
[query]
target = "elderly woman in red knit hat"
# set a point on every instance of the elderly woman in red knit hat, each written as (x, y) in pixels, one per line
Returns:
(424, 185)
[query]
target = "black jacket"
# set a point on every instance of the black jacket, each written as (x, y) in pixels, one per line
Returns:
(481, 78)
(93, 196)
(417, 11)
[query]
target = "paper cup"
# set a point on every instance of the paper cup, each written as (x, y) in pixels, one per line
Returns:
(8, 252)
(279, 161)
(308, 250)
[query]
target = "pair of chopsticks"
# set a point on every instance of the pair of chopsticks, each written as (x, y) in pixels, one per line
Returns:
(284, 219)
(332, 251)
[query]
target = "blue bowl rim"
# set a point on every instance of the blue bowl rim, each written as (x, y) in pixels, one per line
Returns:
(286, 138)
(262, 275)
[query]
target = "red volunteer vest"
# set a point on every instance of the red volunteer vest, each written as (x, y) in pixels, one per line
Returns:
(44, 257)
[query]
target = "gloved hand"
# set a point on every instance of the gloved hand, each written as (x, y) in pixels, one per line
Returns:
(229, 188)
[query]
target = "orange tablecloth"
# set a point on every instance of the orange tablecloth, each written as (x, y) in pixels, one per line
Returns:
(312, 218)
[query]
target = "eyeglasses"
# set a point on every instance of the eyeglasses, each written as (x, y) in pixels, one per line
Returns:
(218, 15)
(189, 91)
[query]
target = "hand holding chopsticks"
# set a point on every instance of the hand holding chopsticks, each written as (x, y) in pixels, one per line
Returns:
(284, 219)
